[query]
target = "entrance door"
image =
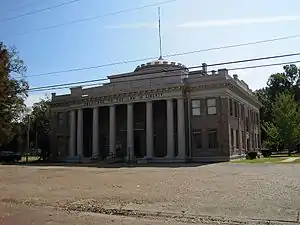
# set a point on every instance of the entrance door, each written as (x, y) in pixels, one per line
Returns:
(137, 145)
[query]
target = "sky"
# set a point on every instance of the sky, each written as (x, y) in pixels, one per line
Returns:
(186, 25)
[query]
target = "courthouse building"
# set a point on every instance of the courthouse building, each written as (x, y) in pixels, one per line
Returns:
(160, 112)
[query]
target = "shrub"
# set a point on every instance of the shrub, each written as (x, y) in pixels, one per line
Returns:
(251, 155)
(266, 152)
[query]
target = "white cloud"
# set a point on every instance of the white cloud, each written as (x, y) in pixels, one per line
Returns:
(210, 23)
(207, 23)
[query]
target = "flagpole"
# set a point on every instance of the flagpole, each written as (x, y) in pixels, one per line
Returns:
(159, 35)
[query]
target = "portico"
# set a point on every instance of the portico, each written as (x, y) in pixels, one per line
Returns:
(142, 135)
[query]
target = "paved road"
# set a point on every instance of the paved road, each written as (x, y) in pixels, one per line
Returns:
(234, 191)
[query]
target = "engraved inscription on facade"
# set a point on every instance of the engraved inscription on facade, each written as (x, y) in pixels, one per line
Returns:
(121, 99)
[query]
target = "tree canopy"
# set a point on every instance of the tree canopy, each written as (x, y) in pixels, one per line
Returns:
(13, 92)
(280, 114)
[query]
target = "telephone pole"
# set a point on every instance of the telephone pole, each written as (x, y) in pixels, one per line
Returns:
(28, 140)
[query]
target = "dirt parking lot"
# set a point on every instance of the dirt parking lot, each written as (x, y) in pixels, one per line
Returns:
(210, 194)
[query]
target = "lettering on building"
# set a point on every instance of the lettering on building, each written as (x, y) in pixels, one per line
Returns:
(121, 99)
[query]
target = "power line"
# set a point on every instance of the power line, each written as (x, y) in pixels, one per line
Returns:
(264, 65)
(238, 68)
(95, 17)
(23, 6)
(37, 11)
(60, 86)
(168, 55)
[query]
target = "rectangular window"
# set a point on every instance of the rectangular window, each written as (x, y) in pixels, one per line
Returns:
(196, 109)
(211, 106)
(242, 139)
(237, 139)
(61, 119)
(236, 109)
(230, 107)
(212, 139)
(232, 137)
(247, 123)
(242, 111)
(197, 138)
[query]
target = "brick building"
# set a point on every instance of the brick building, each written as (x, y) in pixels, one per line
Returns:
(160, 112)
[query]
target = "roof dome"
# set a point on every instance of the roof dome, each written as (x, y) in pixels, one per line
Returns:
(160, 64)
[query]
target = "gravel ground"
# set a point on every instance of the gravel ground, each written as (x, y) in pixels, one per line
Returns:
(208, 194)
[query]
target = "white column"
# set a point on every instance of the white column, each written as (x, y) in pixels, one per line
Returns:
(149, 129)
(80, 133)
(170, 129)
(112, 129)
(130, 131)
(95, 131)
(72, 146)
(181, 128)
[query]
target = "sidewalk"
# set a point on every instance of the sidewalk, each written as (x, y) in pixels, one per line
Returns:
(291, 159)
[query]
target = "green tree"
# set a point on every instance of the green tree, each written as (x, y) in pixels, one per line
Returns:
(286, 121)
(287, 81)
(13, 92)
(273, 138)
(41, 125)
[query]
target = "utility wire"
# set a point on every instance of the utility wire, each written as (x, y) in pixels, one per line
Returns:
(37, 11)
(168, 55)
(23, 6)
(61, 86)
(95, 17)
(238, 68)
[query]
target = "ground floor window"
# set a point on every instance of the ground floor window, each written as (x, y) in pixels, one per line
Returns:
(243, 141)
(212, 139)
(197, 138)
(237, 139)
(232, 137)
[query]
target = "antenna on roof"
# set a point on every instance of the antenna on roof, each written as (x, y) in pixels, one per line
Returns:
(159, 34)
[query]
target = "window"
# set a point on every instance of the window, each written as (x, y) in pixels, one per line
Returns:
(196, 109)
(237, 139)
(242, 139)
(232, 137)
(61, 119)
(212, 139)
(243, 111)
(236, 109)
(247, 124)
(211, 106)
(197, 138)
(230, 107)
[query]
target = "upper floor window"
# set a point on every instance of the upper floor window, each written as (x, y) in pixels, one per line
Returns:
(196, 107)
(243, 111)
(61, 119)
(230, 107)
(236, 109)
(211, 106)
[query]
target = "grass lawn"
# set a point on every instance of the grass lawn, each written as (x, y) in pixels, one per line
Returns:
(261, 160)
(30, 158)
